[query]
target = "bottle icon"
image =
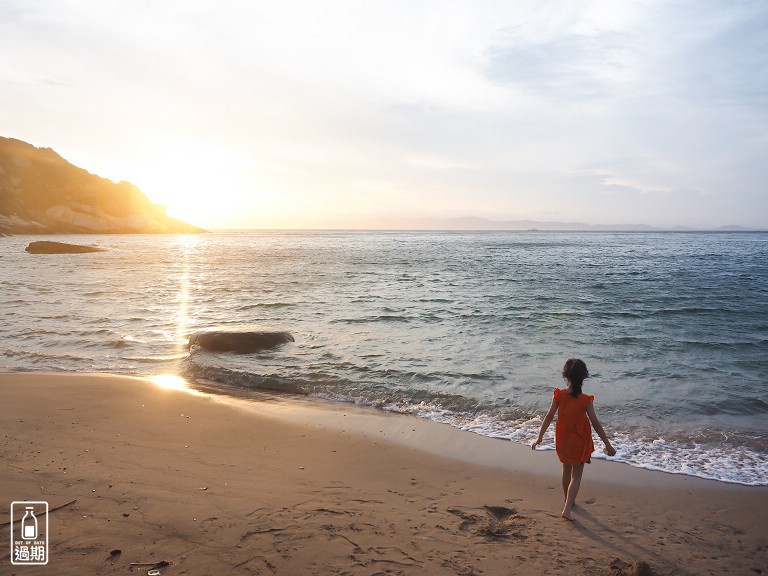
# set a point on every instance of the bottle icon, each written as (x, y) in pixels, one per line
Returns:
(29, 525)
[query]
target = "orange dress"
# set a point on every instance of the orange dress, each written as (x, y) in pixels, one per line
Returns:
(573, 431)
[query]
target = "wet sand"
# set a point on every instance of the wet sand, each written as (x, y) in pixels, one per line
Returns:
(212, 485)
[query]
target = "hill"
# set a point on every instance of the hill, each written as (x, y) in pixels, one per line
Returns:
(42, 193)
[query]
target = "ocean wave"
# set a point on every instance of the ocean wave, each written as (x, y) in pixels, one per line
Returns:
(156, 359)
(736, 406)
(258, 305)
(241, 381)
(36, 355)
(373, 319)
(124, 342)
(684, 311)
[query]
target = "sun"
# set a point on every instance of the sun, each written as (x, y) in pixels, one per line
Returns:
(200, 184)
(222, 188)
(203, 199)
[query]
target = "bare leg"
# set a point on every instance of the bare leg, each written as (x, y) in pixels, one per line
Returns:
(567, 471)
(573, 489)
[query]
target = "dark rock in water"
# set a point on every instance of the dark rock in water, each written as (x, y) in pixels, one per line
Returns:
(47, 247)
(238, 341)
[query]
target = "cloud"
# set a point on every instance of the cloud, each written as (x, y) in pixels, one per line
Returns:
(569, 68)
(717, 53)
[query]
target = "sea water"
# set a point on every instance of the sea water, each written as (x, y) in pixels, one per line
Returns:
(466, 328)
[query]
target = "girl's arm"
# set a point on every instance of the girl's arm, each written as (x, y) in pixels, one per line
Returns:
(545, 424)
(609, 450)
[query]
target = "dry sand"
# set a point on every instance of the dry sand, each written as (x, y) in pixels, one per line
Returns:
(216, 486)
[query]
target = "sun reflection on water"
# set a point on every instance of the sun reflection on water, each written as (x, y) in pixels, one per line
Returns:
(186, 246)
(173, 382)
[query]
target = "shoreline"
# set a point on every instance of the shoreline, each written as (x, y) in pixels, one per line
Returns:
(443, 438)
(447, 441)
(215, 484)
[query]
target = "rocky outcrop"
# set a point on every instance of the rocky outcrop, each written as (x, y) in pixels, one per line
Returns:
(40, 192)
(46, 247)
(242, 341)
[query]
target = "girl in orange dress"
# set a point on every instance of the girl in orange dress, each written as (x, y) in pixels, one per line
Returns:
(573, 432)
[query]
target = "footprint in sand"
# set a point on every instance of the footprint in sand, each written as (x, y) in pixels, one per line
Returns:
(498, 523)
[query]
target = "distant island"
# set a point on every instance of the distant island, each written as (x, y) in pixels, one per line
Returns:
(42, 193)
(467, 224)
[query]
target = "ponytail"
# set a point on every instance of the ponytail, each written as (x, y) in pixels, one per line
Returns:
(575, 371)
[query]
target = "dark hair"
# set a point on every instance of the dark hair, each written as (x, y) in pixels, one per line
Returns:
(575, 371)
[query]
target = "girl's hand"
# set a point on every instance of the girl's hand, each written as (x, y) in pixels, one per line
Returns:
(535, 443)
(609, 450)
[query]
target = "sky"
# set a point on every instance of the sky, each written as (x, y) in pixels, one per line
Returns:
(326, 113)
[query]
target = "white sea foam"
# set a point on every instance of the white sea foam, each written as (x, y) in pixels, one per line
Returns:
(741, 465)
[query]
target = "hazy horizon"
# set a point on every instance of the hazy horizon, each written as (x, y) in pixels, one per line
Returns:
(472, 224)
(286, 116)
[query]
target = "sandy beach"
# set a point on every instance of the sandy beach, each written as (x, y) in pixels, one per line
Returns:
(137, 474)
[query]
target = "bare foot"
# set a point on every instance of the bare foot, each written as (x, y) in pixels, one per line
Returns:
(567, 515)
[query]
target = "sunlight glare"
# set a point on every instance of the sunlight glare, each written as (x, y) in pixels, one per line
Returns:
(198, 184)
(173, 382)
